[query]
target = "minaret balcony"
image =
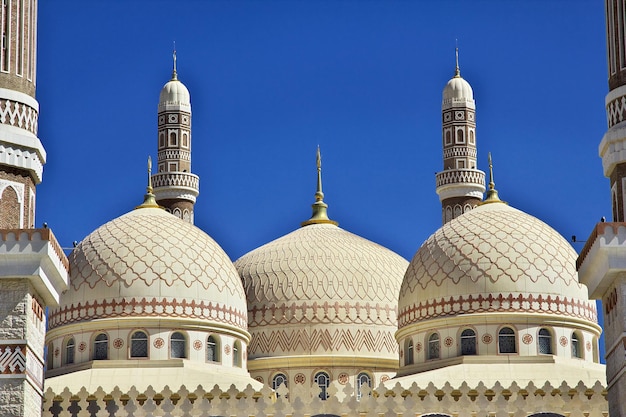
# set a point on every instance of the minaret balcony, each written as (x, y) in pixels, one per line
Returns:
(168, 185)
(460, 176)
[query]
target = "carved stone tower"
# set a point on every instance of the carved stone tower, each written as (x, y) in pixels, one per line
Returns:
(33, 268)
(175, 187)
(602, 262)
(22, 155)
(460, 185)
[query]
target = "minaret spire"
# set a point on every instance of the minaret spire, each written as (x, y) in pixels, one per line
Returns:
(174, 74)
(457, 71)
(320, 214)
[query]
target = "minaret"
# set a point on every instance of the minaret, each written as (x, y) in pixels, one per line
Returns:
(33, 267)
(22, 155)
(602, 261)
(175, 187)
(460, 185)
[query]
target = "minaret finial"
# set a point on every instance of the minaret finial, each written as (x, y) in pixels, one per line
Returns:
(148, 199)
(457, 71)
(320, 214)
(174, 74)
(492, 193)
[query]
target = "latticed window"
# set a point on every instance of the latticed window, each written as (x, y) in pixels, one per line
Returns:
(278, 380)
(212, 349)
(363, 379)
(468, 342)
(576, 350)
(178, 345)
(139, 345)
(408, 352)
(101, 347)
(70, 347)
(237, 354)
(545, 342)
(323, 382)
(433, 346)
(506, 340)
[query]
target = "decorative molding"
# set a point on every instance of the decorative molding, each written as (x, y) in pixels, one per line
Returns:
(519, 303)
(184, 180)
(338, 340)
(13, 359)
(460, 176)
(154, 307)
(14, 113)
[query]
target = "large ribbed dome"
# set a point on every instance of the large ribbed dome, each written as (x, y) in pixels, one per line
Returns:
(149, 263)
(493, 259)
(325, 281)
(174, 93)
(457, 89)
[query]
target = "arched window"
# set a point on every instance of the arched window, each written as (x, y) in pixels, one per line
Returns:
(161, 140)
(49, 356)
(545, 341)
(577, 351)
(506, 340)
(408, 352)
(362, 379)
(70, 347)
(237, 354)
(101, 347)
(468, 342)
(433, 346)
(323, 382)
(212, 349)
(460, 136)
(596, 356)
(173, 139)
(185, 140)
(178, 345)
(471, 137)
(448, 138)
(278, 380)
(139, 345)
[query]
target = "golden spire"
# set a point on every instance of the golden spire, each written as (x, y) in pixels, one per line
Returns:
(149, 200)
(457, 71)
(492, 193)
(320, 214)
(174, 74)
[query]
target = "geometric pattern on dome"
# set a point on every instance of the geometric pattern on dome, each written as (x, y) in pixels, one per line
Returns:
(321, 262)
(496, 245)
(149, 245)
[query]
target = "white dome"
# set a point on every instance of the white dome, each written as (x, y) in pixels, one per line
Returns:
(174, 93)
(458, 89)
(148, 264)
(498, 260)
(325, 281)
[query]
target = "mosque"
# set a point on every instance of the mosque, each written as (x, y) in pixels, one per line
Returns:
(481, 322)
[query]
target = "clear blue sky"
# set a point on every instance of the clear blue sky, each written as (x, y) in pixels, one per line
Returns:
(270, 80)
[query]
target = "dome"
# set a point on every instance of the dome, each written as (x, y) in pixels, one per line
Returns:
(325, 280)
(150, 264)
(458, 89)
(494, 258)
(174, 93)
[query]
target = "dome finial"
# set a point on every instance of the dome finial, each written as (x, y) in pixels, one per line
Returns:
(149, 200)
(320, 214)
(492, 193)
(457, 71)
(174, 74)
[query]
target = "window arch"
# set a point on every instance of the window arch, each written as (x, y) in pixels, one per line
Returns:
(322, 379)
(178, 345)
(468, 342)
(49, 356)
(278, 380)
(139, 345)
(362, 379)
(448, 137)
(70, 349)
(161, 140)
(213, 349)
(544, 341)
(460, 136)
(507, 342)
(173, 139)
(101, 347)
(577, 351)
(433, 346)
(237, 354)
(408, 351)
(471, 136)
